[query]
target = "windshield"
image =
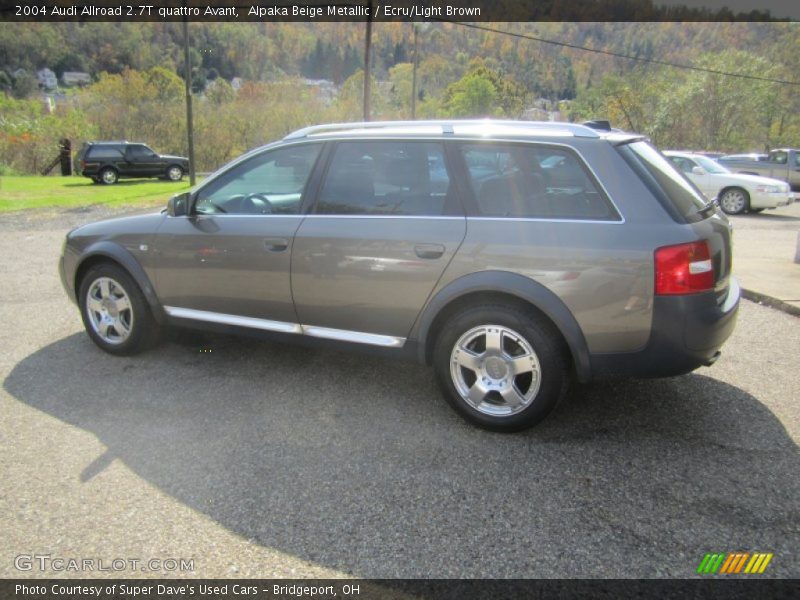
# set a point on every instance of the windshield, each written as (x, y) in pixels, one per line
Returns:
(710, 165)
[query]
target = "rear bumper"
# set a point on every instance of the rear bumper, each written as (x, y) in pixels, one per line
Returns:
(687, 332)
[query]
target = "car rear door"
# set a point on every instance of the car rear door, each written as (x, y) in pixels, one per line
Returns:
(228, 261)
(386, 223)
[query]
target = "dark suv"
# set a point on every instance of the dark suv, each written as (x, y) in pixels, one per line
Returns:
(511, 256)
(106, 162)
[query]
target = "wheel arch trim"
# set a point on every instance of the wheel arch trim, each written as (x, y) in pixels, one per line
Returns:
(125, 259)
(513, 284)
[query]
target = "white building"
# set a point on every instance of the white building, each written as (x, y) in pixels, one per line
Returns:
(72, 78)
(47, 79)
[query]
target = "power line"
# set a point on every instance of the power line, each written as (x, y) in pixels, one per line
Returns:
(654, 61)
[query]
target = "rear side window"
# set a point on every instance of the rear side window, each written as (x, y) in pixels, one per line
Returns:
(386, 178)
(527, 181)
(104, 152)
(679, 196)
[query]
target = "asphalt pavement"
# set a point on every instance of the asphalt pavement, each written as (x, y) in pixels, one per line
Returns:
(765, 247)
(256, 459)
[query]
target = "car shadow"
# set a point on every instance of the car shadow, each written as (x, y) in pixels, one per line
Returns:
(355, 463)
(767, 216)
(122, 182)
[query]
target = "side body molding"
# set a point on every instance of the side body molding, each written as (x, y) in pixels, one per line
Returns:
(516, 285)
(123, 256)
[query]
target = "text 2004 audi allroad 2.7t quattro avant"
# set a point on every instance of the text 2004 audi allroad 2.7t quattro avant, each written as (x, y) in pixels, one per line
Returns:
(511, 256)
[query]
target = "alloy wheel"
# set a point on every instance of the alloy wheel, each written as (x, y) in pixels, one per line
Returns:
(109, 310)
(495, 370)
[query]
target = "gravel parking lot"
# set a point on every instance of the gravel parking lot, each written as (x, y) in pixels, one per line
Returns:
(263, 460)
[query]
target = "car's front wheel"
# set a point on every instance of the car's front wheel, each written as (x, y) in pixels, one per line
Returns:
(174, 173)
(501, 367)
(734, 201)
(115, 312)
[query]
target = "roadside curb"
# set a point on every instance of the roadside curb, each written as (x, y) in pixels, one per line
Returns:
(771, 302)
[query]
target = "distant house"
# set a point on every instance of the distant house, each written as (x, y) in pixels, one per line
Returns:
(543, 109)
(19, 73)
(47, 79)
(236, 83)
(73, 78)
(325, 88)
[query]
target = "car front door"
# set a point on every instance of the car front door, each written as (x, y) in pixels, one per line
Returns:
(141, 161)
(228, 261)
(386, 223)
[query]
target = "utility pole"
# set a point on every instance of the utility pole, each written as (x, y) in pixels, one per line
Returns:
(187, 68)
(367, 65)
(414, 76)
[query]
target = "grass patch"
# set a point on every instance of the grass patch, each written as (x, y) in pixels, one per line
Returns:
(26, 192)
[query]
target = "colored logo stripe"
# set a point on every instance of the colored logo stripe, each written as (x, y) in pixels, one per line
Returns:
(734, 562)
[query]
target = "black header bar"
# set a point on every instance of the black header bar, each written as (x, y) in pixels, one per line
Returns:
(395, 10)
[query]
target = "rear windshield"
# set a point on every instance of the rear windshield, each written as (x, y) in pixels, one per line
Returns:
(677, 194)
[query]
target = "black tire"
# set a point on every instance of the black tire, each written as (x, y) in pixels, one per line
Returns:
(756, 210)
(174, 173)
(108, 176)
(143, 331)
(540, 336)
(734, 200)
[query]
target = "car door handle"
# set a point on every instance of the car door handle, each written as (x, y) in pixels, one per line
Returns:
(276, 244)
(430, 251)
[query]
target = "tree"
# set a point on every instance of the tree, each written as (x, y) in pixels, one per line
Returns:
(474, 95)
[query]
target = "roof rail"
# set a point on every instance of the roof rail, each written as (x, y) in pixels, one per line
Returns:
(447, 126)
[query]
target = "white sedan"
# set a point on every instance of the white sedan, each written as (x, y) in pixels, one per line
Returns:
(737, 192)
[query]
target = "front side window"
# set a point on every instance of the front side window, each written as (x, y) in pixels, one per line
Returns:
(386, 178)
(711, 165)
(530, 181)
(270, 183)
(140, 152)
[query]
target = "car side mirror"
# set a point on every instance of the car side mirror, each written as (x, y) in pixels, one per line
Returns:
(698, 170)
(178, 205)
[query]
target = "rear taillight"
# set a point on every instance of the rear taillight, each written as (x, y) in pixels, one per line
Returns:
(684, 269)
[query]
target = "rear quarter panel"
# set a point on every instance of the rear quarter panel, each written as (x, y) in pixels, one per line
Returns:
(602, 271)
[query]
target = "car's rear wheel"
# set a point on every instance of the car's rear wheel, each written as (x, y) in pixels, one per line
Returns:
(734, 201)
(174, 173)
(501, 367)
(109, 176)
(114, 311)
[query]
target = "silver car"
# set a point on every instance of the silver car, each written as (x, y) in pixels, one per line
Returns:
(513, 257)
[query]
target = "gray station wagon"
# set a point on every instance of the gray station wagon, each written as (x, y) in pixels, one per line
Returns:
(513, 257)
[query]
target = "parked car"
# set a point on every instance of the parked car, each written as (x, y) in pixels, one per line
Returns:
(752, 156)
(107, 162)
(783, 164)
(736, 192)
(513, 257)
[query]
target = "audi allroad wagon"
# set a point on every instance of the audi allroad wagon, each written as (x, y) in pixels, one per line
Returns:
(513, 257)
